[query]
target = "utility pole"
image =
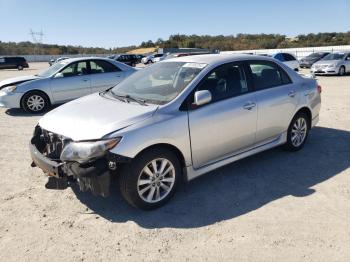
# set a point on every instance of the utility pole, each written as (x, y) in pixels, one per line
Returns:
(37, 38)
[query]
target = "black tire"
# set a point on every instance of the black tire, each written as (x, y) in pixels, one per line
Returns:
(130, 173)
(20, 67)
(149, 62)
(341, 71)
(25, 104)
(290, 145)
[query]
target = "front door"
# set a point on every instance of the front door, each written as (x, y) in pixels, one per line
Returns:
(228, 123)
(72, 82)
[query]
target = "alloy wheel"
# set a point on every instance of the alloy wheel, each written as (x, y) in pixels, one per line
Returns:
(156, 180)
(299, 131)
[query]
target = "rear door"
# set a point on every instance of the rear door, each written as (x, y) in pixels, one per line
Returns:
(276, 98)
(72, 82)
(228, 123)
(104, 75)
(10, 62)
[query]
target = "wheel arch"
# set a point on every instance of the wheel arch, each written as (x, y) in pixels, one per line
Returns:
(167, 146)
(307, 111)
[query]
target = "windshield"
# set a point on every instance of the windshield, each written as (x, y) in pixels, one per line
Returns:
(314, 55)
(335, 56)
(52, 69)
(159, 83)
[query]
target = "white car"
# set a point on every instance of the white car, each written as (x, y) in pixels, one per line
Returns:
(287, 59)
(151, 59)
(332, 64)
(63, 81)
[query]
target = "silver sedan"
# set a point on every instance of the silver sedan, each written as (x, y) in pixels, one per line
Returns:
(181, 117)
(64, 81)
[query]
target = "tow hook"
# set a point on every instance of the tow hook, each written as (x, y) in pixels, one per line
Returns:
(112, 165)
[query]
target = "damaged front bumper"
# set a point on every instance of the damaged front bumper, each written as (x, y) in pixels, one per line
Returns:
(94, 176)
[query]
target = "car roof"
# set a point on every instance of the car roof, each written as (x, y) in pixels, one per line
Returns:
(76, 59)
(217, 58)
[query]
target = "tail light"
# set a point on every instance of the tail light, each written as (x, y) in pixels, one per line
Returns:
(319, 89)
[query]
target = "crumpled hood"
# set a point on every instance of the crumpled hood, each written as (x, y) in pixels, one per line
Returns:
(17, 80)
(93, 116)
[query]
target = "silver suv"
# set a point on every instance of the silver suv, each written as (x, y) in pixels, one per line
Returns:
(182, 117)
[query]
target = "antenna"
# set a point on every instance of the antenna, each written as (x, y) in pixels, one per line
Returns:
(37, 38)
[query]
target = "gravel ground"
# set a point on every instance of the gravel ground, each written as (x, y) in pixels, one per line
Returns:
(275, 206)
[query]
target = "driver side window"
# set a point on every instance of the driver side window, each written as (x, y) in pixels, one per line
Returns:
(225, 81)
(75, 69)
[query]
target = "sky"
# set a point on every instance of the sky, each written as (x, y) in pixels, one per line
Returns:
(116, 23)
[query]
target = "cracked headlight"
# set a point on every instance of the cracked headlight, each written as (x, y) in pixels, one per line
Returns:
(82, 152)
(9, 89)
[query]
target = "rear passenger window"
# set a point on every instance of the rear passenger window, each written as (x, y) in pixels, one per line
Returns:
(266, 75)
(99, 66)
(224, 82)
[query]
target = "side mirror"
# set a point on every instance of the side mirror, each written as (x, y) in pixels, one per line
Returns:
(58, 75)
(202, 97)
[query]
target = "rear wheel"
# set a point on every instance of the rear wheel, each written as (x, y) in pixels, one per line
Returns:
(35, 102)
(151, 179)
(341, 71)
(20, 67)
(297, 132)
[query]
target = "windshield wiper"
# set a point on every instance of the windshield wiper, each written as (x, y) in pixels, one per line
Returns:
(129, 98)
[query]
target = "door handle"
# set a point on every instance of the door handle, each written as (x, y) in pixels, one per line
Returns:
(292, 93)
(85, 80)
(249, 105)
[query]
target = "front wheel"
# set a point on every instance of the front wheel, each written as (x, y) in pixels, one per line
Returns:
(297, 132)
(35, 102)
(341, 71)
(151, 179)
(20, 67)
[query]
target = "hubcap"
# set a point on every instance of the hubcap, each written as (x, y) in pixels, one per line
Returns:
(156, 180)
(35, 103)
(299, 132)
(342, 71)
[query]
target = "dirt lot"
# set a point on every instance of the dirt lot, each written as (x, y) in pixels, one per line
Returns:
(275, 206)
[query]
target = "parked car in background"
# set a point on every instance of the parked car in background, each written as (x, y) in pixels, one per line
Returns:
(308, 61)
(332, 64)
(158, 57)
(205, 112)
(63, 81)
(139, 57)
(13, 62)
(127, 59)
(52, 61)
(150, 58)
(288, 59)
(174, 55)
